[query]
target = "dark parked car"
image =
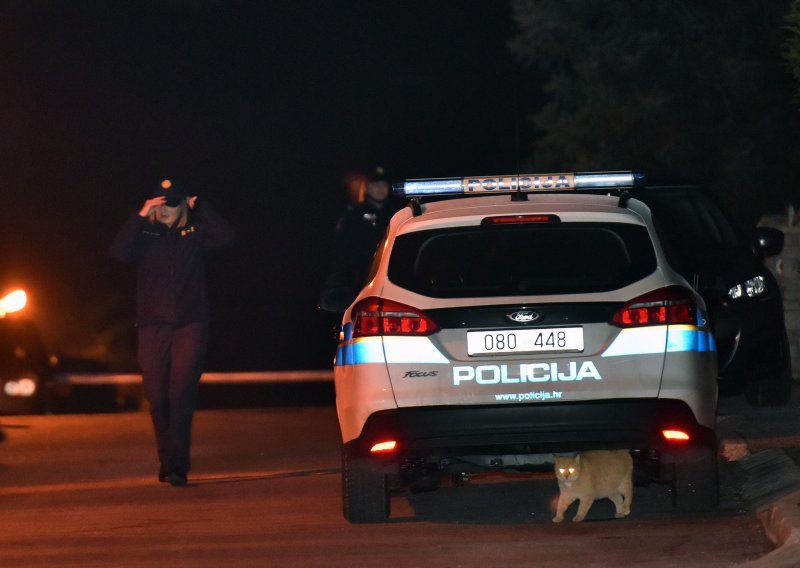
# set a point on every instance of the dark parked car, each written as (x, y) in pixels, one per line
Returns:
(25, 369)
(725, 263)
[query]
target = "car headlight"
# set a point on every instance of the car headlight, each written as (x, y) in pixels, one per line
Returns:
(752, 288)
(24, 387)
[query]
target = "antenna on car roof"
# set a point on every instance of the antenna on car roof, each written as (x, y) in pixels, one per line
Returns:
(624, 197)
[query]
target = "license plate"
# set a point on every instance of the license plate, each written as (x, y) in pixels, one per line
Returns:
(525, 340)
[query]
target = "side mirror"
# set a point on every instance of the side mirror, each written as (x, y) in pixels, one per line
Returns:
(336, 299)
(768, 241)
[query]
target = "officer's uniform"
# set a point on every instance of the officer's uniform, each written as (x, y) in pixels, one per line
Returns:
(172, 317)
(358, 232)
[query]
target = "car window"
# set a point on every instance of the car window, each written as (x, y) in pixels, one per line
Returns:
(691, 223)
(558, 258)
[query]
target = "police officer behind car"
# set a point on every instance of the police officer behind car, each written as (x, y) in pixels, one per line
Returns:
(168, 240)
(361, 227)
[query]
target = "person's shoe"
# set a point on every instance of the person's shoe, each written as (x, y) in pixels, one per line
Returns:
(177, 479)
(163, 474)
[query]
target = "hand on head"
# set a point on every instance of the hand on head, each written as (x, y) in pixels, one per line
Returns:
(150, 204)
(156, 202)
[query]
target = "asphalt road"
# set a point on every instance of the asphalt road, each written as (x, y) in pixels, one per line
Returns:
(81, 490)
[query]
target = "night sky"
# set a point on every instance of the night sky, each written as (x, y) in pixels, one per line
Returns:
(261, 107)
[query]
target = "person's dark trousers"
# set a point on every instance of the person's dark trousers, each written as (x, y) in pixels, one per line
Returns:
(171, 358)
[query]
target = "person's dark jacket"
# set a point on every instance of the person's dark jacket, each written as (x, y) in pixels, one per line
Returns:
(358, 232)
(171, 283)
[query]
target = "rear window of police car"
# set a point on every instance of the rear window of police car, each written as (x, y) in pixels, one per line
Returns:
(526, 259)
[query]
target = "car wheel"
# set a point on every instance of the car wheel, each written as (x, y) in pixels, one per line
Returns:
(695, 484)
(365, 492)
(773, 388)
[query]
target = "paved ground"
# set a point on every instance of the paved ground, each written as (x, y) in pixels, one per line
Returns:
(81, 490)
(763, 445)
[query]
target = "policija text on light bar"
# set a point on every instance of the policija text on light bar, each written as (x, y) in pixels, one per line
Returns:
(518, 183)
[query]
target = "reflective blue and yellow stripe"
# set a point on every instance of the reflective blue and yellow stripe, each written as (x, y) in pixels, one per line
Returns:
(387, 349)
(630, 341)
(660, 339)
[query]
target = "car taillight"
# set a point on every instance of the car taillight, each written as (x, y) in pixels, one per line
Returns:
(674, 435)
(670, 305)
(376, 316)
(384, 447)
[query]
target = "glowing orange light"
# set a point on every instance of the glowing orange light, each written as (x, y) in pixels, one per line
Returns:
(387, 446)
(13, 302)
(166, 184)
(675, 435)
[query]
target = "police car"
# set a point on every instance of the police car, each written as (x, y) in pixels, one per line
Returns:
(532, 315)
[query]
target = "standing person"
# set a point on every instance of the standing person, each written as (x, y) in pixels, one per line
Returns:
(168, 240)
(363, 224)
(358, 231)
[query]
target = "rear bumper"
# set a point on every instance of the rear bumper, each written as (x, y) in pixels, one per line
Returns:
(451, 431)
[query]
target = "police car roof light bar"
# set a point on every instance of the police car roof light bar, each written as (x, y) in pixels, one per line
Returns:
(518, 184)
(422, 187)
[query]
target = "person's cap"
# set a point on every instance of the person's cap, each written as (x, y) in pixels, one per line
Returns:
(174, 194)
(378, 173)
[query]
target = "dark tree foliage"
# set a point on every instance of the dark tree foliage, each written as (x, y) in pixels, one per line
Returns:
(792, 44)
(696, 90)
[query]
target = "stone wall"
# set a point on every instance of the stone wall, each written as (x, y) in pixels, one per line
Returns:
(786, 268)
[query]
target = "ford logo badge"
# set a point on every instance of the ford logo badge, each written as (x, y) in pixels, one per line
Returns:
(524, 317)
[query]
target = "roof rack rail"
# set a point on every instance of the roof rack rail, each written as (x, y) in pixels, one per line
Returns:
(416, 206)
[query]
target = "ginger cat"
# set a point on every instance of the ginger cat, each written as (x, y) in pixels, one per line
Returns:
(596, 474)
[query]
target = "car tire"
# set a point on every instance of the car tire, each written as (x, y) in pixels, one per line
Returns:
(773, 388)
(365, 491)
(695, 484)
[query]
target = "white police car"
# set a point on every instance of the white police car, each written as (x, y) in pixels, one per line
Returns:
(531, 316)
